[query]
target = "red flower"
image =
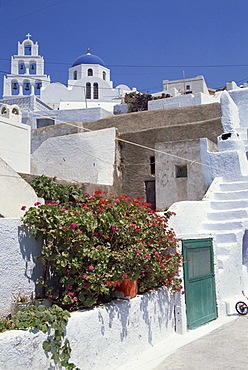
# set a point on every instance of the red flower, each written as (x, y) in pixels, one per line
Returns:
(74, 225)
(109, 283)
(70, 294)
(98, 192)
(23, 208)
(69, 287)
(86, 286)
(117, 283)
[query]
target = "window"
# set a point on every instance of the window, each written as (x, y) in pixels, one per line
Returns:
(22, 68)
(90, 72)
(75, 75)
(152, 165)
(95, 90)
(38, 86)
(32, 68)
(27, 49)
(104, 75)
(88, 90)
(187, 87)
(26, 88)
(42, 122)
(15, 88)
(181, 171)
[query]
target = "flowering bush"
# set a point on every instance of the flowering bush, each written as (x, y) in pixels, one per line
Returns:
(89, 248)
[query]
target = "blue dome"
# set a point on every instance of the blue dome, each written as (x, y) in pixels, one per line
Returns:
(88, 59)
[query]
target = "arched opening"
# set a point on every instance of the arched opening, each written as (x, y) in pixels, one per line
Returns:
(75, 75)
(88, 90)
(37, 87)
(90, 72)
(22, 68)
(95, 90)
(104, 75)
(27, 49)
(14, 88)
(32, 68)
(4, 110)
(15, 111)
(26, 88)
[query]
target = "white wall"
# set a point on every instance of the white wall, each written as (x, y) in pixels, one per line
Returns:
(14, 192)
(85, 157)
(18, 267)
(182, 101)
(101, 338)
(14, 140)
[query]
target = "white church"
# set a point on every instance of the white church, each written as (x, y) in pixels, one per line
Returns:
(89, 94)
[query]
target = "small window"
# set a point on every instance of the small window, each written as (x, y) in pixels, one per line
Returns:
(90, 72)
(181, 171)
(42, 122)
(95, 90)
(32, 68)
(22, 68)
(187, 87)
(75, 75)
(104, 75)
(88, 90)
(152, 165)
(27, 49)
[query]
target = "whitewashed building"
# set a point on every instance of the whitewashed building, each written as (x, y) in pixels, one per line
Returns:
(27, 71)
(89, 86)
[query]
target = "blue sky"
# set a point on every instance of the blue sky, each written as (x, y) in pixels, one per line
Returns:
(143, 42)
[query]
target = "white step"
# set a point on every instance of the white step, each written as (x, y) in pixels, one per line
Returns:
(221, 261)
(229, 204)
(232, 186)
(225, 225)
(228, 214)
(226, 237)
(231, 195)
(225, 248)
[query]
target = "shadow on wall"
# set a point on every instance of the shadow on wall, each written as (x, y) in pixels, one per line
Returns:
(30, 249)
(122, 312)
(163, 310)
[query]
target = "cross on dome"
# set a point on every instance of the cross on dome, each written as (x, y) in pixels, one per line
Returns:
(28, 35)
(88, 51)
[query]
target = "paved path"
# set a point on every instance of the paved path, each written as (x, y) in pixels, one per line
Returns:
(224, 348)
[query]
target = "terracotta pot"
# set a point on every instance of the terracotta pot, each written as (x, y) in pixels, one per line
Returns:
(127, 289)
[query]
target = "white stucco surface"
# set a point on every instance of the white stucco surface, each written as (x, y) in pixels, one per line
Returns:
(85, 157)
(18, 267)
(14, 192)
(101, 338)
(229, 162)
(182, 101)
(79, 114)
(230, 113)
(14, 140)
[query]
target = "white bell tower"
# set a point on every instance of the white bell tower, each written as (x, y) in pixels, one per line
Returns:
(27, 72)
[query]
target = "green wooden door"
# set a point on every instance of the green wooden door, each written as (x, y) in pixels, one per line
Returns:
(199, 282)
